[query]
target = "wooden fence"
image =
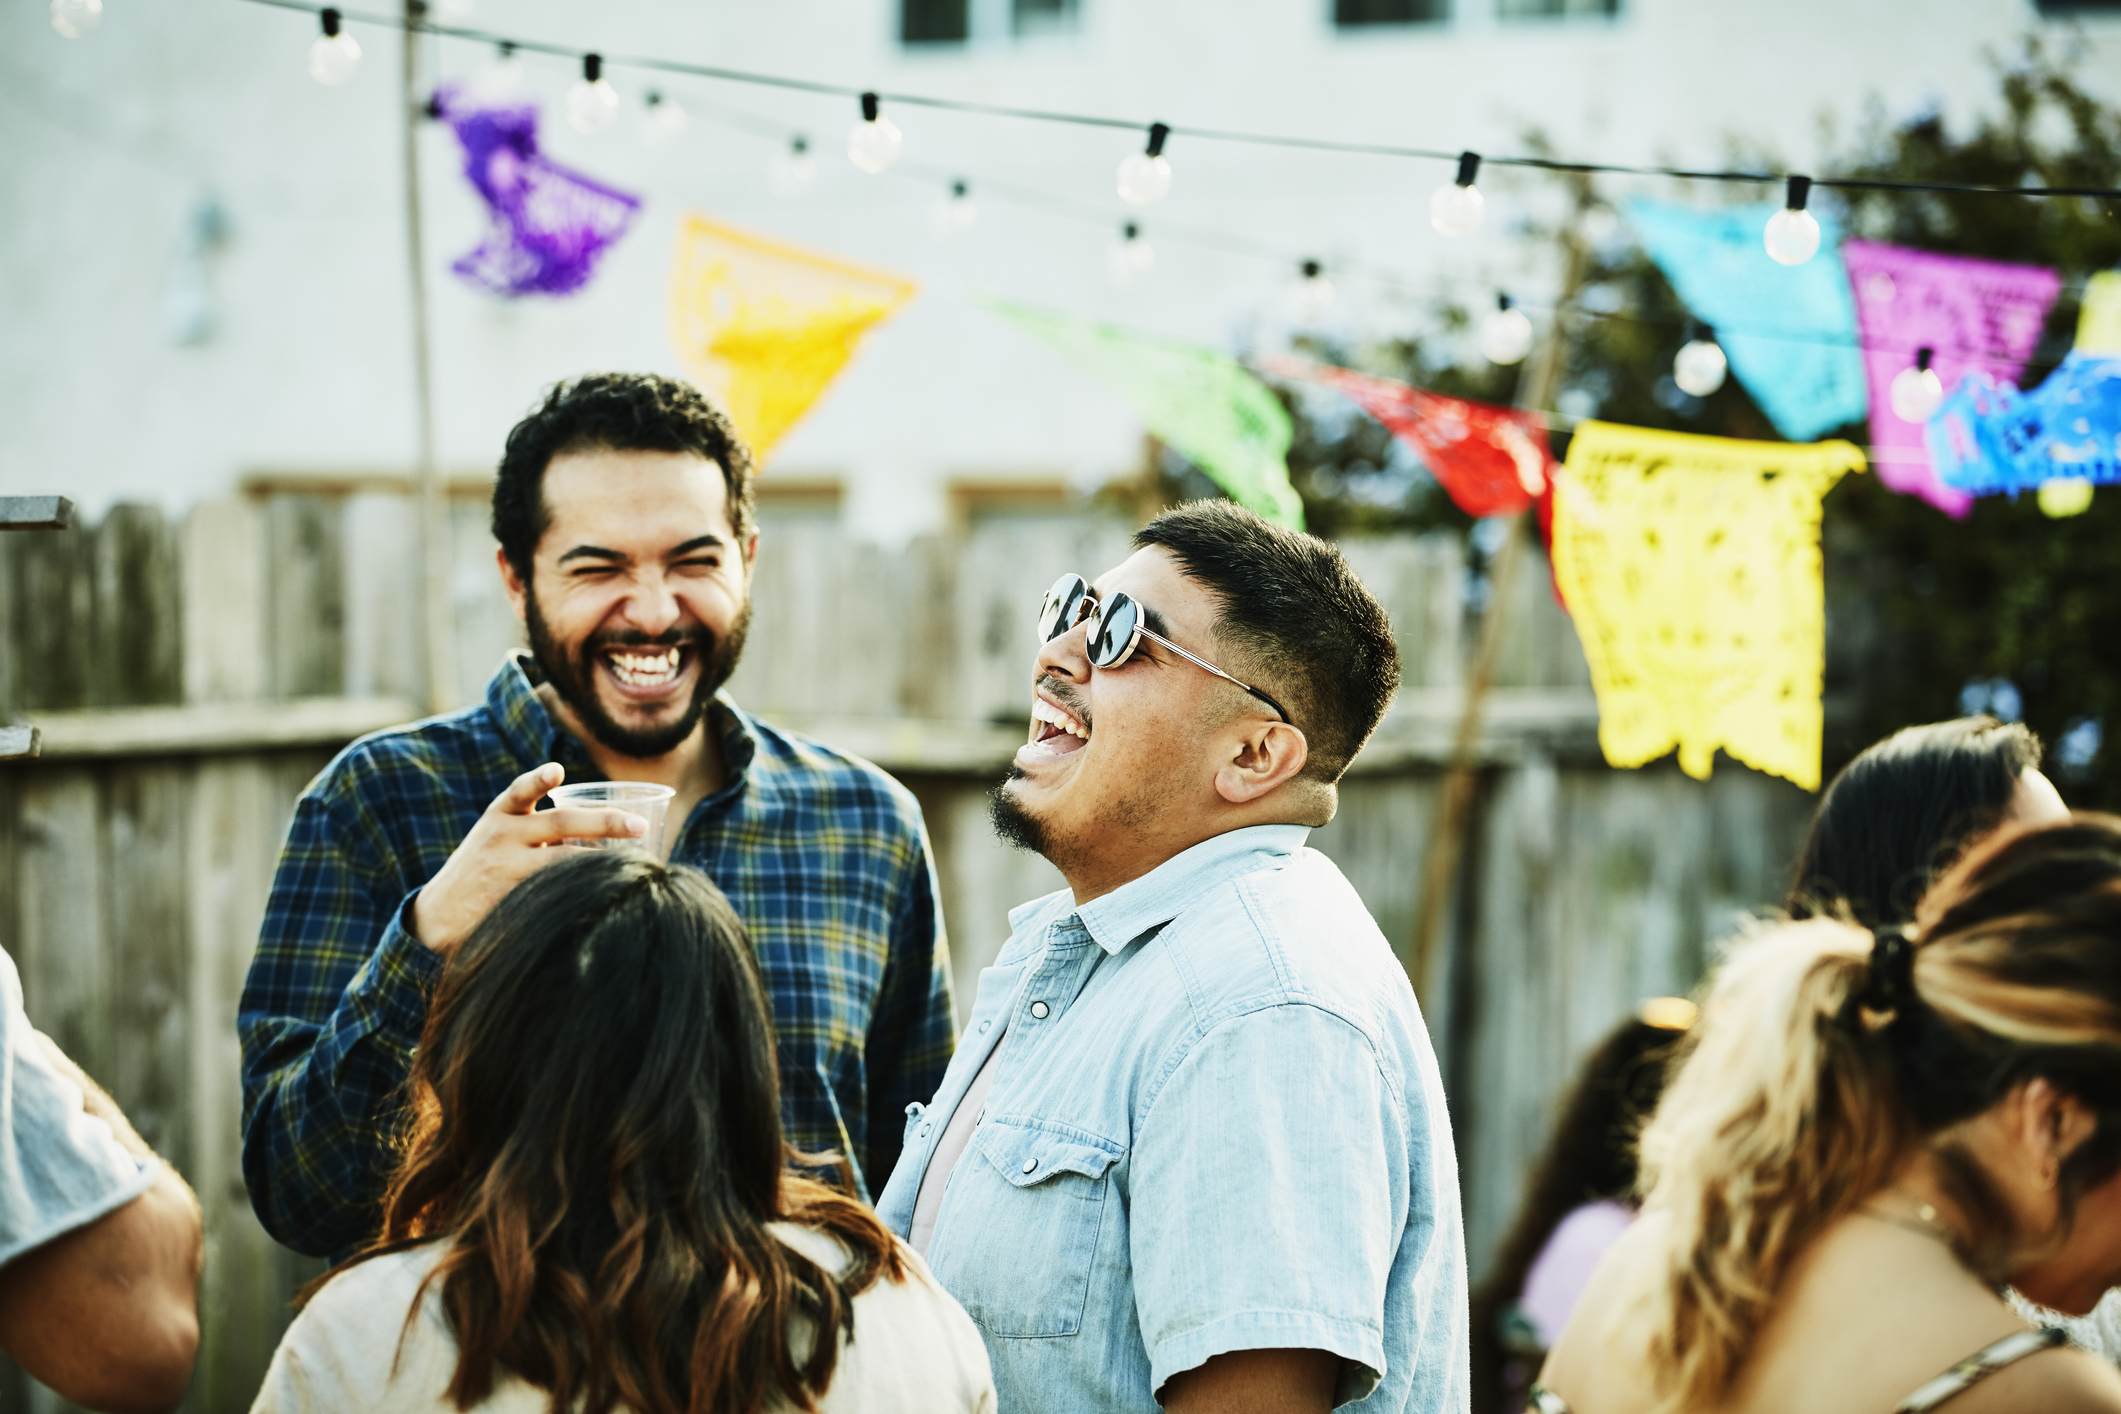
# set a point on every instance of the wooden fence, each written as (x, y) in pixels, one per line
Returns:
(190, 677)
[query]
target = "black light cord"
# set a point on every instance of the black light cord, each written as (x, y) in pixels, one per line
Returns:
(1232, 135)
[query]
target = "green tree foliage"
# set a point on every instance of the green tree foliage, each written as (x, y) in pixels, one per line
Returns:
(1925, 613)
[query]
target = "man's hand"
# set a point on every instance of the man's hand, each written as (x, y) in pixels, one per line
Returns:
(509, 842)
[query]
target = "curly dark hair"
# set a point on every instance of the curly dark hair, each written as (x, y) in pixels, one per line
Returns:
(626, 412)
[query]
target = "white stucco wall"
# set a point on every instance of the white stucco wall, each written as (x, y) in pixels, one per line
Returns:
(108, 143)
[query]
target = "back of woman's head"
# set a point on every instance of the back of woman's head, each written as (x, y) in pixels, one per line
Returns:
(1590, 1155)
(1901, 810)
(1825, 1053)
(596, 1126)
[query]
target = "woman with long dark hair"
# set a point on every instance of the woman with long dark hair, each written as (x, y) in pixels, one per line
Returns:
(1578, 1201)
(1894, 817)
(596, 1212)
(1868, 1134)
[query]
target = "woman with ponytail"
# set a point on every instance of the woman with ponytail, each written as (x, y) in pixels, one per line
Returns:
(1867, 1136)
(596, 1213)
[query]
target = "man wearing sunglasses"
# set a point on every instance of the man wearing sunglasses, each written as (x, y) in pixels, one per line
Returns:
(1192, 1149)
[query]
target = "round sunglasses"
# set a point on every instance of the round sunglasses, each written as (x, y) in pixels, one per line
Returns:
(1116, 630)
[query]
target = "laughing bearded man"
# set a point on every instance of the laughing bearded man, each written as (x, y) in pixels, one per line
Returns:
(623, 508)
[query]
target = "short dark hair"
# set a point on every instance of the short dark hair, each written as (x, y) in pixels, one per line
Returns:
(1302, 622)
(626, 412)
(1902, 810)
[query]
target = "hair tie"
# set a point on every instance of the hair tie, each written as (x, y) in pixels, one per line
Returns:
(1892, 980)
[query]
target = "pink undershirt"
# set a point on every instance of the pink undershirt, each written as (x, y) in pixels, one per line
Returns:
(928, 1203)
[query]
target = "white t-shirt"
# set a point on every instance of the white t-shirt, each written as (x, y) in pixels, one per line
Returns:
(917, 1352)
(60, 1166)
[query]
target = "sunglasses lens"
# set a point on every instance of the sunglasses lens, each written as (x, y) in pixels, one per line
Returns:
(1112, 631)
(1063, 607)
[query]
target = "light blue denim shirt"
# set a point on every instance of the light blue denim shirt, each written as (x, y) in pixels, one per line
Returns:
(1216, 1125)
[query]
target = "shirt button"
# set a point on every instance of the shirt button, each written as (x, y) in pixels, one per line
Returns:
(983, 1026)
(1038, 1009)
(1030, 1165)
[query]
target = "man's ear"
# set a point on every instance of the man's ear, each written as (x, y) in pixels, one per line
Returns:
(512, 584)
(751, 555)
(1263, 757)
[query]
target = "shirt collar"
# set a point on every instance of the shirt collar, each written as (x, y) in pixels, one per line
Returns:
(1166, 891)
(533, 735)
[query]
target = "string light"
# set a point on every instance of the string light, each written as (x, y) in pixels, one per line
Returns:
(2065, 496)
(663, 120)
(592, 103)
(333, 55)
(427, 25)
(1130, 258)
(74, 18)
(873, 144)
(1505, 335)
(1792, 235)
(1145, 176)
(1917, 391)
(1455, 207)
(792, 171)
(1310, 295)
(1699, 367)
(954, 214)
(503, 78)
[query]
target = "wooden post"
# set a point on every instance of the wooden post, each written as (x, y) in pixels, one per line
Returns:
(35, 513)
(30, 513)
(1447, 841)
(438, 619)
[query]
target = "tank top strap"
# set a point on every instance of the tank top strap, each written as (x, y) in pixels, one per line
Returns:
(1979, 1366)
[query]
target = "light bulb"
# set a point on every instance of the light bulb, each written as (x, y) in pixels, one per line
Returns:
(792, 171)
(1792, 235)
(503, 78)
(663, 120)
(74, 18)
(1700, 367)
(954, 214)
(1310, 295)
(1505, 335)
(1917, 391)
(450, 12)
(1145, 176)
(592, 103)
(333, 55)
(873, 144)
(2065, 496)
(1455, 208)
(1130, 258)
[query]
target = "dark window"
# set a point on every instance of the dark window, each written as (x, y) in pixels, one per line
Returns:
(933, 21)
(1532, 9)
(1388, 12)
(1044, 16)
(2071, 7)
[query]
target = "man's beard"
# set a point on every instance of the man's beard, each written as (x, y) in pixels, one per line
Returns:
(574, 678)
(1013, 824)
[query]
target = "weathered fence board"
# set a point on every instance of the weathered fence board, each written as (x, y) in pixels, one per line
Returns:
(229, 656)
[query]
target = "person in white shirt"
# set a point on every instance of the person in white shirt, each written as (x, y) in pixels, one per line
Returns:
(99, 1239)
(596, 1209)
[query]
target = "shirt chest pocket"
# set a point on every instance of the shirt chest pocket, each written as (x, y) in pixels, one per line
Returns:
(1020, 1226)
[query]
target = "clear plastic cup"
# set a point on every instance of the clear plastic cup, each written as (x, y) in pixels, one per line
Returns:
(650, 802)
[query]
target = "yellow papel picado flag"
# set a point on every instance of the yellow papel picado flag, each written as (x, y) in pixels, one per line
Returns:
(1691, 565)
(764, 326)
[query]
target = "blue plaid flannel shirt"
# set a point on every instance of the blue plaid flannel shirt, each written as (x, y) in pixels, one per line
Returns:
(824, 856)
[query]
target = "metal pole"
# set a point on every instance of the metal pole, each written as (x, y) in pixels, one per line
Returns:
(437, 618)
(1447, 842)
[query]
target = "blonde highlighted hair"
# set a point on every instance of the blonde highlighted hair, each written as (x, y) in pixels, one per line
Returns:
(1811, 1077)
